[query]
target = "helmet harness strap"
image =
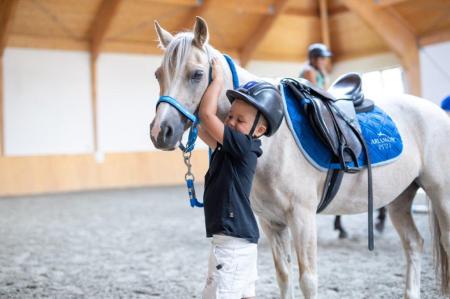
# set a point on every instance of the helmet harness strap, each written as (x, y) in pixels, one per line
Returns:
(255, 123)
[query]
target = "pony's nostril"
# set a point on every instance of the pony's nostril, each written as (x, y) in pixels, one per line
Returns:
(166, 131)
(169, 132)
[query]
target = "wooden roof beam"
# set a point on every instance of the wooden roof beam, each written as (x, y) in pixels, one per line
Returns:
(7, 11)
(261, 31)
(439, 36)
(395, 34)
(99, 27)
(240, 7)
(199, 10)
(385, 3)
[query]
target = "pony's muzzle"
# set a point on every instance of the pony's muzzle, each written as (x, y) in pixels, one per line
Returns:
(165, 137)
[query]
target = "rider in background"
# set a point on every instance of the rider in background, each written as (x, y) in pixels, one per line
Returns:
(315, 70)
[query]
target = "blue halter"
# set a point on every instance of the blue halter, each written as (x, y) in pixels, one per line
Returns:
(193, 131)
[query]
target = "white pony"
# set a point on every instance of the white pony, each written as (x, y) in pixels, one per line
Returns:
(287, 188)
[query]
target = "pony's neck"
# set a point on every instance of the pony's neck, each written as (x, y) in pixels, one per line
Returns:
(243, 75)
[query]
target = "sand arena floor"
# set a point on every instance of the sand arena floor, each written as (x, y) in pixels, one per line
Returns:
(148, 243)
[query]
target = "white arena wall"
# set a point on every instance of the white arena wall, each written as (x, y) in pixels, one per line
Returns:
(48, 129)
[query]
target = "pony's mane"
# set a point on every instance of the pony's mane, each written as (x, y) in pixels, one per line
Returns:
(177, 52)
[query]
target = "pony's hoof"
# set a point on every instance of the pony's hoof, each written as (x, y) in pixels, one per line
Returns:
(343, 234)
(379, 227)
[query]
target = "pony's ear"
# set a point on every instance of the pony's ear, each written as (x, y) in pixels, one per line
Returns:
(201, 34)
(164, 36)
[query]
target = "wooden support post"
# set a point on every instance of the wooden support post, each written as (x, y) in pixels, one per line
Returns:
(93, 64)
(324, 23)
(108, 9)
(2, 142)
(7, 11)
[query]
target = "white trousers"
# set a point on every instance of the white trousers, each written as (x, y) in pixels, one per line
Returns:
(232, 269)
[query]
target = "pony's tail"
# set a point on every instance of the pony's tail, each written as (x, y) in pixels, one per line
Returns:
(440, 257)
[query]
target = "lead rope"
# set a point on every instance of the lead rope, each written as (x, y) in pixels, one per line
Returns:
(189, 178)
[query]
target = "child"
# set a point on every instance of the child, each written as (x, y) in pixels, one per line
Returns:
(256, 110)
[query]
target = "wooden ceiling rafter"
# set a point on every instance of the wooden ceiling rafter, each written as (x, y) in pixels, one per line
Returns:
(54, 18)
(387, 3)
(399, 39)
(391, 10)
(261, 31)
(439, 36)
(99, 27)
(242, 7)
(199, 10)
(53, 24)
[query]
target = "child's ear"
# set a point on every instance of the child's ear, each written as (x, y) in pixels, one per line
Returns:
(260, 130)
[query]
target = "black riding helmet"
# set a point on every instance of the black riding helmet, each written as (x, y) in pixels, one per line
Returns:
(318, 50)
(266, 98)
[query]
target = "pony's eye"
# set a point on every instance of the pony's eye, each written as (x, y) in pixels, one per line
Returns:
(197, 76)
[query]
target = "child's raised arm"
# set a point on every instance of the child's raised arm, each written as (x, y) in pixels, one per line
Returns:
(208, 106)
(211, 142)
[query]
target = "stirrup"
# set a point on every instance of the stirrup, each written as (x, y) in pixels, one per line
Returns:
(344, 166)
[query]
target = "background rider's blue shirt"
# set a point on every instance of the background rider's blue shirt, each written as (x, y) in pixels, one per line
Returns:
(446, 103)
(228, 183)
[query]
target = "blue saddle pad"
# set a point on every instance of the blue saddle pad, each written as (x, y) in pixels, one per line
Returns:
(380, 132)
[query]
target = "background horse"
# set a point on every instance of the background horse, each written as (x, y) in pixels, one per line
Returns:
(287, 188)
(381, 219)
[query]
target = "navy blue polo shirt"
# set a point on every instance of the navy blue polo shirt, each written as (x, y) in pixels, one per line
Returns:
(228, 183)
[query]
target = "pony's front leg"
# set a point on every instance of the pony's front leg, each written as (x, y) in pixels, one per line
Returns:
(304, 233)
(280, 242)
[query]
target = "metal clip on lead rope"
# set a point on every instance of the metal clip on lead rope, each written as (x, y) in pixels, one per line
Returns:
(189, 178)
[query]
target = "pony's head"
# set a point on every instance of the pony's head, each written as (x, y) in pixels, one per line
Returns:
(184, 76)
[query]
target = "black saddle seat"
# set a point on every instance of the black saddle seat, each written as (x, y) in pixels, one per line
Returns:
(349, 87)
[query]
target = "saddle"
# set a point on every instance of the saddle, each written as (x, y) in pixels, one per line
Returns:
(332, 115)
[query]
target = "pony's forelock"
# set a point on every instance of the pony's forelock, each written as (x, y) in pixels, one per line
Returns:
(177, 52)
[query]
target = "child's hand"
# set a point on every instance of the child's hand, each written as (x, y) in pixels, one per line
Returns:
(217, 71)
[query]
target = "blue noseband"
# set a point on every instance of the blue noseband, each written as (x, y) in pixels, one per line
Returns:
(179, 107)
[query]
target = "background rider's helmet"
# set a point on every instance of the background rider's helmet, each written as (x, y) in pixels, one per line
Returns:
(263, 96)
(318, 50)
